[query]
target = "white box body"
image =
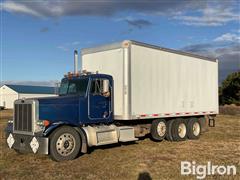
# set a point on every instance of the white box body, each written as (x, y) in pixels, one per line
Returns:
(151, 82)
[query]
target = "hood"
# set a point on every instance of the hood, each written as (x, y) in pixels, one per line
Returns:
(60, 108)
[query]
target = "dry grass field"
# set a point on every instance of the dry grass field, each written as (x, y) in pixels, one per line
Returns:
(220, 145)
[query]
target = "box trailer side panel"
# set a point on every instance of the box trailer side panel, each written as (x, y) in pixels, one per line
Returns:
(155, 82)
(108, 62)
(169, 84)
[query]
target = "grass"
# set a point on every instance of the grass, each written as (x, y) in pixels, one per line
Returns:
(229, 109)
(220, 145)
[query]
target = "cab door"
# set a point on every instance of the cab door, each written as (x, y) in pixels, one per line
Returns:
(99, 100)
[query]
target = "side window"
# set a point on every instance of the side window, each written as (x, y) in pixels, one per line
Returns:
(96, 87)
(100, 87)
(72, 88)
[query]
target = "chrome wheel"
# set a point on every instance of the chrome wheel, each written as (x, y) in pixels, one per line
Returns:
(161, 128)
(196, 129)
(65, 144)
(182, 130)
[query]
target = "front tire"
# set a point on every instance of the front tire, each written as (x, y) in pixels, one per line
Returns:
(65, 144)
(158, 129)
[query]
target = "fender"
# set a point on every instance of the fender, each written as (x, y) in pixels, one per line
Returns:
(52, 127)
(83, 138)
(81, 132)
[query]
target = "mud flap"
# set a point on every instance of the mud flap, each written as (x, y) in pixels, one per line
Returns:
(211, 121)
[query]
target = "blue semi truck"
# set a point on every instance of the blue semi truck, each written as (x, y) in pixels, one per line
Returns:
(133, 89)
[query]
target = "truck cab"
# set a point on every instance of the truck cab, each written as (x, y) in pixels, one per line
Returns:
(83, 99)
(81, 116)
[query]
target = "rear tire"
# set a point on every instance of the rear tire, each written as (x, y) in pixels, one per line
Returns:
(179, 130)
(158, 129)
(169, 130)
(194, 128)
(203, 123)
(65, 144)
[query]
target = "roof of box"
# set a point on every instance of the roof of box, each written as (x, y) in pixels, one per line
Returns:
(121, 44)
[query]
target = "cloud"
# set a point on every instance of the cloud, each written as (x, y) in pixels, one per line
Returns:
(133, 23)
(56, 8)
(224, 44)
(64, 48)
(69, 45)
(44, 29)
(227, 52)
(228, 37)
(188, 12)
(213, 15)
(75, 43)
(228, 63)
(12, 6)
(138, 23)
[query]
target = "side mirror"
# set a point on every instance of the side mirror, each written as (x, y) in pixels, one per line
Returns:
(105, 90)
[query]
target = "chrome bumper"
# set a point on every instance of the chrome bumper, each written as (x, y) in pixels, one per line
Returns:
(28, 143)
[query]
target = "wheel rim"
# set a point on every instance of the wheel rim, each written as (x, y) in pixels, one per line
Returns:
(182, 130)
(65, 144)
(161, 129)
(196, 129)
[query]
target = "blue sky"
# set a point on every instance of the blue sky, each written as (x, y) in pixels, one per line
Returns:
(38, 38)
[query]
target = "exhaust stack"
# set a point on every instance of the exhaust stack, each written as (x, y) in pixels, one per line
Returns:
(75, 62)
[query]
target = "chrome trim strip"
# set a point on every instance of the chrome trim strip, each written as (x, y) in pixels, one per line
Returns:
(129, 83)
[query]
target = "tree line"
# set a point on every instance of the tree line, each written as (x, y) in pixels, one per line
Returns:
(229, 91)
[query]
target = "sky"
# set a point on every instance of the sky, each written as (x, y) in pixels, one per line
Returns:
(38, 37)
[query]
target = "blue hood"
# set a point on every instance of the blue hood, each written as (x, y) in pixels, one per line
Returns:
(61, 108)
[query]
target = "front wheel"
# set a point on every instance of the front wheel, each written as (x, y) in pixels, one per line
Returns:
(65, 144)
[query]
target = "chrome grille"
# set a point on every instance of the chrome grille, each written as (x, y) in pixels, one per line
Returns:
(23, 117)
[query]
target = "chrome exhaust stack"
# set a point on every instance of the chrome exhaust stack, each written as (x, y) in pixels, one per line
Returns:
(75, 62)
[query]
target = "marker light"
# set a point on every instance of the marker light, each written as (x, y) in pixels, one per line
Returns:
(46, 123)
(126, 44)
(43, 123)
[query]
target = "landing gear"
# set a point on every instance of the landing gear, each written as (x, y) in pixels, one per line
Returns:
(65, 144)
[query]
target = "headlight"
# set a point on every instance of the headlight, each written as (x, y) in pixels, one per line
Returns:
(10, 121)
(40, 123)
(43, 123)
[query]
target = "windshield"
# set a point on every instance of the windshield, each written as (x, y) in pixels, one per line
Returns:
(73, 86)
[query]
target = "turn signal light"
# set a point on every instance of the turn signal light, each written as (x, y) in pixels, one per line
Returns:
(46, 123)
